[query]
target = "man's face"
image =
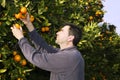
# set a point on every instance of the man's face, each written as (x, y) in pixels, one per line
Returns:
(62, 35)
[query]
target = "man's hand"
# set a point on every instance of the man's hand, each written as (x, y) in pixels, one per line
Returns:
(18, 33)
(27, 22)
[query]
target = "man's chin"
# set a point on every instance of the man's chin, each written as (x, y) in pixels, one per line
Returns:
(56, 42)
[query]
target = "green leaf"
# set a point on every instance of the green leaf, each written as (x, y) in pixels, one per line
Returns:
(3, 70)
(27, 70)
(1, 60)
(3, 3)
(4, 18)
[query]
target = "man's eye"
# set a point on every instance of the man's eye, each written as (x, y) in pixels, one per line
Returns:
(59, 30)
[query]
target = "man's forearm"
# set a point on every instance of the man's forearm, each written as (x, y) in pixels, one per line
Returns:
(30, 26)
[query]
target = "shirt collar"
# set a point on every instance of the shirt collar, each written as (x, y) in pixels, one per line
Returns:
(73, 47)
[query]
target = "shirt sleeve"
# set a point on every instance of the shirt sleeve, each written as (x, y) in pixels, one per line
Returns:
(39, 42)
(51, 62)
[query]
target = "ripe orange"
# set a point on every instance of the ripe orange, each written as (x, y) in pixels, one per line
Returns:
(17, 26)
(46, 28)
(23, 10)
(18, 16)
(91, 17)
(100, 12)
(23, 62)
(19, 79)
(14, 53)
(31, 18)
(43, 29)
(17, 58)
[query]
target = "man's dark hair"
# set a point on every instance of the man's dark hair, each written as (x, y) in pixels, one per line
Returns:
(75, 31)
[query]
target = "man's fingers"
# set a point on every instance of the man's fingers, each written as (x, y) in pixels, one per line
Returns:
(11, 27)
(21, 28)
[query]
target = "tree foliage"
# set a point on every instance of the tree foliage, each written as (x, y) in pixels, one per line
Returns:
(99, 45)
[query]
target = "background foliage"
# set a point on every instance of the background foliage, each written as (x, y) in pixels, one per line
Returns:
(99, 46)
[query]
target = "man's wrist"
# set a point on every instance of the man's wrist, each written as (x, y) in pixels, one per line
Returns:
(20, 38)
(30, 26)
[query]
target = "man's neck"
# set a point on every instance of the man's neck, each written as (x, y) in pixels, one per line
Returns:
(63, 46)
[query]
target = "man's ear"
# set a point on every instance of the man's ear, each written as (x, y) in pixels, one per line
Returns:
(70, 38)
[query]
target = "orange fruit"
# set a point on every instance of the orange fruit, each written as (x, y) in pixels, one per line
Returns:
(17, 58)
(18, 16)
(17, 26)
(19, 79)
(100, 12)
(23, 10)
(46, 28)
(23, 62)
(23, 16)
(14, 53)
(31, 18)
(43, 29)
(91, 17)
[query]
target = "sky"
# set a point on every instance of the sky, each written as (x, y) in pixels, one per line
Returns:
(112, 15)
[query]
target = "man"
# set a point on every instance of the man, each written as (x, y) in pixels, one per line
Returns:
(65, 63)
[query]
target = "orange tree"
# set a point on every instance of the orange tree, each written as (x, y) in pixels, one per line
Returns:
(100, 48)
(47, 16)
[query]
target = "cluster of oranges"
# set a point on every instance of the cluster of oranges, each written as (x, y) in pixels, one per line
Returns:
(19, 79)
(22, 15)
(45, 29)
(98, 13)
(18, 58)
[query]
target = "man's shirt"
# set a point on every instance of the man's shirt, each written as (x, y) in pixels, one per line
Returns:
(65, 64)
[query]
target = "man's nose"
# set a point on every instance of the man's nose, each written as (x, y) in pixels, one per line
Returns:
(57, 33)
